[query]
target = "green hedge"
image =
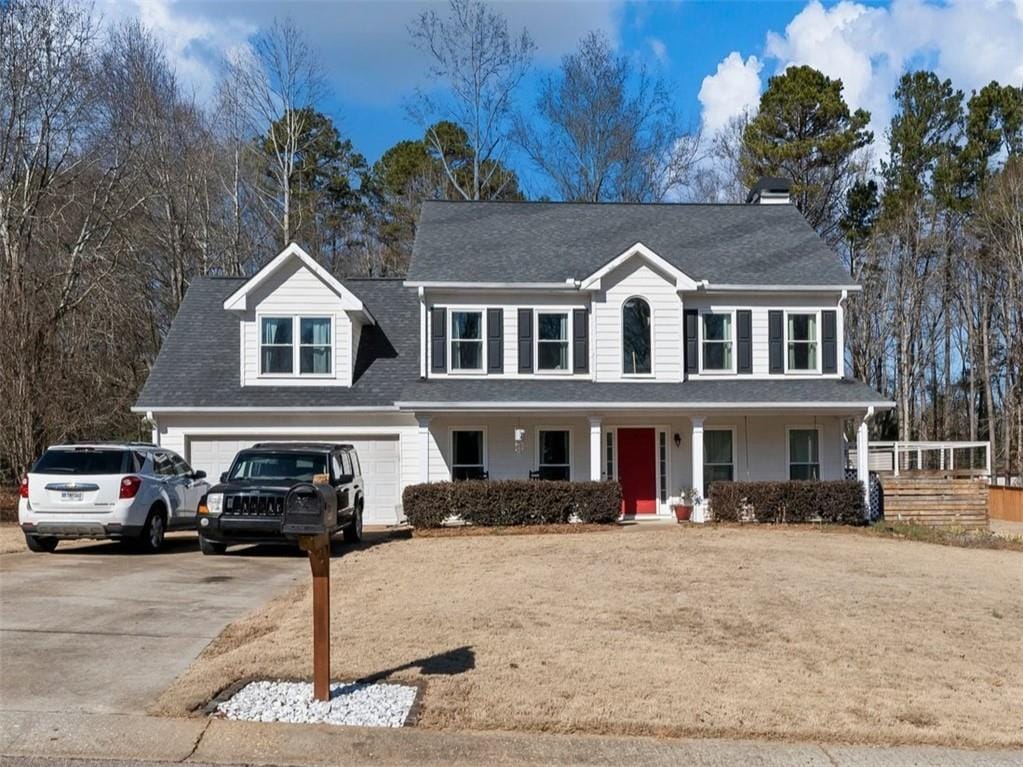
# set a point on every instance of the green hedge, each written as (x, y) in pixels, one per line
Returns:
(494, 503)
(838, 501)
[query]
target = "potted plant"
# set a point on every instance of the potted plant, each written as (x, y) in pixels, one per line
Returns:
(687, 499)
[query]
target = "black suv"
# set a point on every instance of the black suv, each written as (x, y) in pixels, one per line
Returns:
(247, 505)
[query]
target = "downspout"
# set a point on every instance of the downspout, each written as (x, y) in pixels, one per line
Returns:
(422, 332)
(155, 438)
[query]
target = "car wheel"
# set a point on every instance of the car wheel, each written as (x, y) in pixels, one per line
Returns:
(353, 531)
(41, 545)
(151, 540)
(211, 548)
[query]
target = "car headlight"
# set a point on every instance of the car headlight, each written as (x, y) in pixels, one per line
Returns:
(214, 504)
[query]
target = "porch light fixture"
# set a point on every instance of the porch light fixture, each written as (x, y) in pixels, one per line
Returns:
(678, 440)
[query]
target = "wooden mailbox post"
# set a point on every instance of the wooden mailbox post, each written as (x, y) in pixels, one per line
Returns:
(310, 513)
(318, 548)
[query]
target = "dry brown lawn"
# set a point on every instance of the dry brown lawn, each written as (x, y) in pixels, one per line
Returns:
(732, 632)
(11, 539)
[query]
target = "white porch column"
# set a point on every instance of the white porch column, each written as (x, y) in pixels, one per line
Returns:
(595, 448)
(697, 475)
(424, 446)
(863, 457)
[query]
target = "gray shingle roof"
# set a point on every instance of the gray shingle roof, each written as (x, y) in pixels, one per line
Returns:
(573, 393)
(552, 242)
(198, 362)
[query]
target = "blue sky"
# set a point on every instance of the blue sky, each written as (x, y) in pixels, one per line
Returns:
(717, 55)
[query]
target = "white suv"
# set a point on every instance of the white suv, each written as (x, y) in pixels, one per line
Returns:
(129, 491)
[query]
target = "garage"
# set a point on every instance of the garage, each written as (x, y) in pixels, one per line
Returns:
(377, 454)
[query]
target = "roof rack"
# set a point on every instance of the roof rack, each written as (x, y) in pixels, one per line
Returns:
(102, 442)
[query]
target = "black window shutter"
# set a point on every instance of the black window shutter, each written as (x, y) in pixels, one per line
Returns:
(829, 341)
(744, 336)
(581, 335)
(776, 341)
(691, 356)
(439, 339)
(525, 340)
(495, 340)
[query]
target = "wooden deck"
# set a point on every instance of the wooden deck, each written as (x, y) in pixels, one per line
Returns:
(935, 499)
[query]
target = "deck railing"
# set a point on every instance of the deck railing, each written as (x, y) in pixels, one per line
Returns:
(964, 459)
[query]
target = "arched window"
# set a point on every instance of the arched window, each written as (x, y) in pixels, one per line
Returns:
(636, 337)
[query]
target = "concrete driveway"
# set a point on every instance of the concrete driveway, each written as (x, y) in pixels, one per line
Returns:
(93, 629)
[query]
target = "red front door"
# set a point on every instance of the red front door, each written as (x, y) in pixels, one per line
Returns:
(637, 471)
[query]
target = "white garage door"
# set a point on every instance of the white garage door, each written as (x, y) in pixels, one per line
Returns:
(378, 456)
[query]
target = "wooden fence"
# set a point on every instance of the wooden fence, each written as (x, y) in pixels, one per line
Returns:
(936, 501)
(1006, 503)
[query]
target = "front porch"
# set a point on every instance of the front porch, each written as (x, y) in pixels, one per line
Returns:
(657, 456)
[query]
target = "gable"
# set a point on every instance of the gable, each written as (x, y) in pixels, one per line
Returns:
(639, 253)
(293, 258)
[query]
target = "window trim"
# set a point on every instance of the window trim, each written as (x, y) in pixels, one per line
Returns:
(451, 448)
(567, 314)
(621, 332)
(816, 312)
(296, 345)
(789, 428)
(536, 459)
(733, 342)
(482, 311)
(734, 462)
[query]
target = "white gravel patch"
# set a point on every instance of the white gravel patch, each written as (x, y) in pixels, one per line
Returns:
(361, 705)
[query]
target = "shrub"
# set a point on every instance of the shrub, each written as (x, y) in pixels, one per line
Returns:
(495, 503)
(838, 501)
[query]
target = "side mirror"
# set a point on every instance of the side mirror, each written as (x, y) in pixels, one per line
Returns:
(223, 477)
(344, 479)
(199, 474)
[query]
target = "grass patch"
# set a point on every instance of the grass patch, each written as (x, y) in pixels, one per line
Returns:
(967, 539)
(737, 632)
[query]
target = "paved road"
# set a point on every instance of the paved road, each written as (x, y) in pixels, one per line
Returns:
(93, 629)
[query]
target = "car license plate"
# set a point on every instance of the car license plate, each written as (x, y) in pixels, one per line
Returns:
(70, 495)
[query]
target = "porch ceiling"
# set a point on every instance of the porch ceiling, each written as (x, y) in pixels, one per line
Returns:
(774, 395)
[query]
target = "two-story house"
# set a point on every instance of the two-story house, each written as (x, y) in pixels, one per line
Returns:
(663, 345)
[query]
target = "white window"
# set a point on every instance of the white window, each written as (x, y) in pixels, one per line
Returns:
(280, 355)
(717, 342)
(636, 350)
(314, 345)
(468, 450)
(276, 346)
(552, 342)
(718, 458)
(554, 448)
(467, 340)
(804, 453)
(802, 341)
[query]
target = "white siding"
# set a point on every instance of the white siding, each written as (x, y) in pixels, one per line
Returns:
(638, 278)
(760, 305)
(510, 303)
(294, 290)
(502, 460)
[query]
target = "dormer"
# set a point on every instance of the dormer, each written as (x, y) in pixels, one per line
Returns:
(299, 325)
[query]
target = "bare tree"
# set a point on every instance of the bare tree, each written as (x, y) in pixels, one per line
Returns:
(718, 176)
(605, 129)
(274, 82)
(482, 65)
(69, 187)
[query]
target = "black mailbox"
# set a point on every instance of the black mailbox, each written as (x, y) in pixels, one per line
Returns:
(309, 510)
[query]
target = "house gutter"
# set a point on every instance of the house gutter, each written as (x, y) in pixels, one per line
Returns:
(590, 406)
(246, 409)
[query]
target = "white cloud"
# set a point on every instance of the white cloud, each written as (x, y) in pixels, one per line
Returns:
(732, 89)
(364, 46)
(660, 50)
(970, 42)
